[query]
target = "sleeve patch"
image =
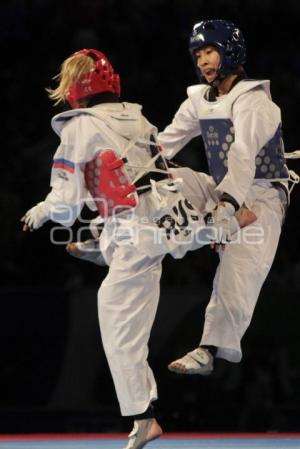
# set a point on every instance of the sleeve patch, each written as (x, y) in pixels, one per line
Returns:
(64, 164)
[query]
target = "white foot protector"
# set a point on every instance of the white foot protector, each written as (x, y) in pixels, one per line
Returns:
(144, 430)
(199, 361)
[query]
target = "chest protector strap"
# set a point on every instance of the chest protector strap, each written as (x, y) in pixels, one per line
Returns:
(108, 183)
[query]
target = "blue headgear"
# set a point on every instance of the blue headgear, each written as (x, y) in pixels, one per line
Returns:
(227, 38)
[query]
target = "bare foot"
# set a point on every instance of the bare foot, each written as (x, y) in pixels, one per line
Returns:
(73, 250)
(88, 250)
(245, 217)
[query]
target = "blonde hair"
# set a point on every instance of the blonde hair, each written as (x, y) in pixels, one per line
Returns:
(71, 71)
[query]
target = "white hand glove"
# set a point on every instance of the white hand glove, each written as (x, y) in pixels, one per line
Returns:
(223, 223)
(36, 216)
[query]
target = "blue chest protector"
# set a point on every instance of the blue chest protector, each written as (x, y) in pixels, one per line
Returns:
(218, 133)
(218, 136)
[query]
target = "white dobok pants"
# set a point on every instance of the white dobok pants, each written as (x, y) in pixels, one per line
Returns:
(134, 248)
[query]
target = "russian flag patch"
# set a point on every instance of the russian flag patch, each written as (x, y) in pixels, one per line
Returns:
(64, 164)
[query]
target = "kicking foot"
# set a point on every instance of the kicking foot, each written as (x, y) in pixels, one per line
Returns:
(245, 217)
(144, 430)
(199, 361)
(88, 250)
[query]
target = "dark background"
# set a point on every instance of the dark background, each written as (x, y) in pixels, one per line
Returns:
(53, 373)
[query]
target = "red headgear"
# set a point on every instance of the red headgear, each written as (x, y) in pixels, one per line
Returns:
(100, 78)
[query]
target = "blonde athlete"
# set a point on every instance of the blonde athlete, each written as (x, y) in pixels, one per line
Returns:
(108, 158)
(241, 130)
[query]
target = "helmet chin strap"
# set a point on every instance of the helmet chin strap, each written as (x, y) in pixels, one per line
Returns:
(215, 83)
(218, 80)
(221, 76)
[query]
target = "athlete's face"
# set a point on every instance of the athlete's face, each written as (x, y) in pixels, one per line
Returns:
(208, 59)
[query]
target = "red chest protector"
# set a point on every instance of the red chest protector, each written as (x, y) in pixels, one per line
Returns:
(108, 183)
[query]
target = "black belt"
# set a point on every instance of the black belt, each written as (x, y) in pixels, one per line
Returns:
(278, 185)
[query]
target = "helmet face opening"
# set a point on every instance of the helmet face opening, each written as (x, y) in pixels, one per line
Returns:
(100, 78)
(226, 37)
